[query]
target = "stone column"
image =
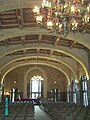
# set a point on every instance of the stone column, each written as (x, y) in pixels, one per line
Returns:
(13, 95)
(25, 85)
(0, 93)
(25, 88)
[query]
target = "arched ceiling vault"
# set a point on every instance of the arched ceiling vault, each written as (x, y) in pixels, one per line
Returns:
(33, 41)
(18, 64)
(46, 59)
(14, 32)
(16, 39)
(58, 60)
(50, 50)
(20, 20)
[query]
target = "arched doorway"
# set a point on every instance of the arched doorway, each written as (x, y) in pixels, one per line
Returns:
(36, 87)
(27, 81)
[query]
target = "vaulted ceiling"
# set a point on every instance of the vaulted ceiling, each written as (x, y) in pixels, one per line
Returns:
(23, 42)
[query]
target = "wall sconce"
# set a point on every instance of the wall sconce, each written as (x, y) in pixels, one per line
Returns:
(51, 91)
(6, 93)
(55, 82)
(14, 81)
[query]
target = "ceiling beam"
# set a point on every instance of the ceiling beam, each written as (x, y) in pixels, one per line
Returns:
(19, 13)
(51, 52)
(24, 51)
(56, 41)
(40, 38)
(38, 51)
(23, 40)
(6, 43)
(72, 43)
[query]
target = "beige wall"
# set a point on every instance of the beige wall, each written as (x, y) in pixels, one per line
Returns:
(17, 75)
(55, 76)
(88, 52)
(52, 76)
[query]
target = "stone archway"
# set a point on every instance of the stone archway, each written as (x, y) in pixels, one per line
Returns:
(25, 81)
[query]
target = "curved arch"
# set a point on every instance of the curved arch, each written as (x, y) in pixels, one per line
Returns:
(46, 57)
(34, 68)
(68, 79)
(25, 81)
(63, 51)
(5, 34)
(17, 32)
(30, 4)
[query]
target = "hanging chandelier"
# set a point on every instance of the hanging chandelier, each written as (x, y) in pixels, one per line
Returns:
(37, 77)
(63, 16)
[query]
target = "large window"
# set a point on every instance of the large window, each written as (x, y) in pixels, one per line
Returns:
(84, 90)
(74, 90)
(35, 86)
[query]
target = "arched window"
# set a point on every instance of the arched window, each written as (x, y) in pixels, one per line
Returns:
(35, 86)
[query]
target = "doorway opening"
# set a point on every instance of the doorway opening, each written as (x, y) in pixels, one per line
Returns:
(36, 87)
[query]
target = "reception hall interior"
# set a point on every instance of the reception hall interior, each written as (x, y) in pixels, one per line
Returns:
(45, 59)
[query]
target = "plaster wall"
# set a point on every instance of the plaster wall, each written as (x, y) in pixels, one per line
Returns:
(17, 74)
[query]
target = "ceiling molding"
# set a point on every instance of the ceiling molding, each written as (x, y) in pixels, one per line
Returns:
(15, 32)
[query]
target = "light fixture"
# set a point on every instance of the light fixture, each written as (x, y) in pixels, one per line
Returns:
(64, 16)
(59, 91)
(14, 82)
(55, 82)
(76, 81)
(6, 93)
(51, 91)
(37, 77)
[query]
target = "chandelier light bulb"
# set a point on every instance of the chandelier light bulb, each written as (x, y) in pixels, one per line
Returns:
(88, 8)
(88, 19)
(37, 77)
(73, 8)
(60, 26)
(36, 10)
(49, 25)
(76, 24)
(82, 1)
(39, 19)
(65, 17)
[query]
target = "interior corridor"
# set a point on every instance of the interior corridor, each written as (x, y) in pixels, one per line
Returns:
(40, 114)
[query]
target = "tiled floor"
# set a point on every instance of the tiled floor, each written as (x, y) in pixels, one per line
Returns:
(40, 114)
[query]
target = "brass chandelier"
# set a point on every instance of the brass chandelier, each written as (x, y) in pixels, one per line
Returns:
(63, 16)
